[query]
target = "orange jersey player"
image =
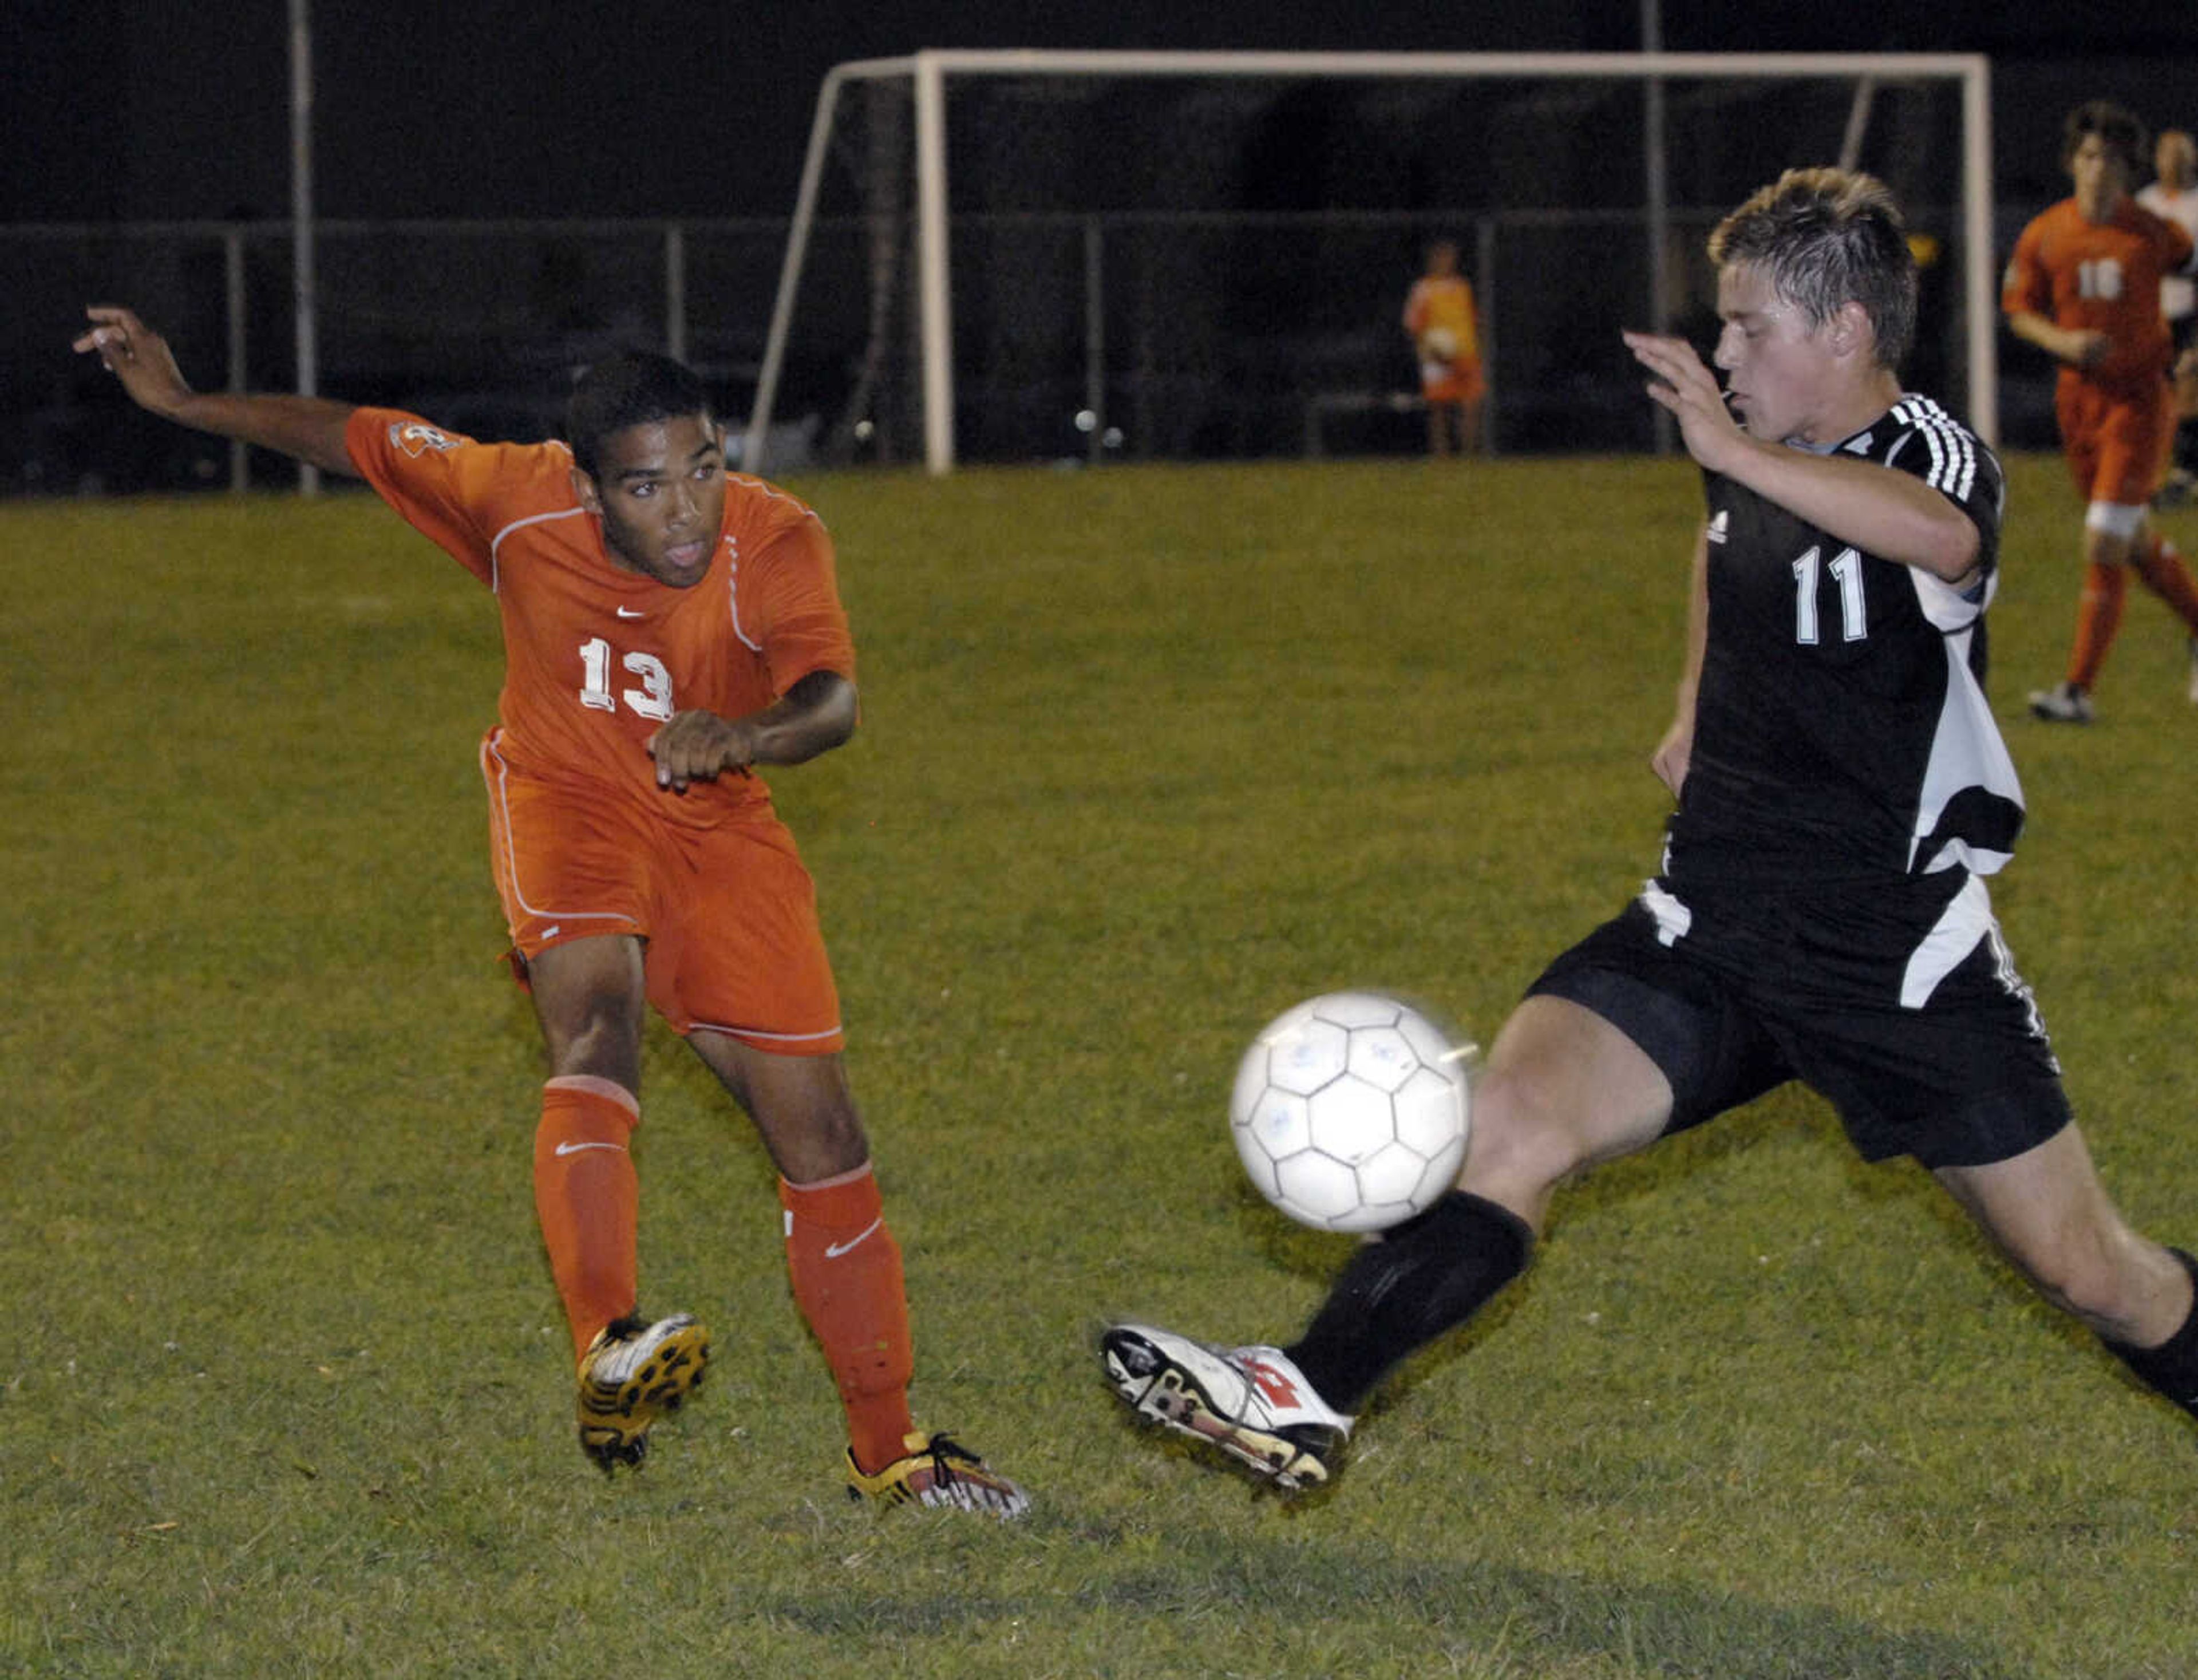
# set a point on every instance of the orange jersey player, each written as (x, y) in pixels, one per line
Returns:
(1444, 328)
(597, 657)
(2084, 286)
(668, 627)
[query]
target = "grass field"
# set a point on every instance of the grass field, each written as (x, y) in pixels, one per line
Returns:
(1147, 754)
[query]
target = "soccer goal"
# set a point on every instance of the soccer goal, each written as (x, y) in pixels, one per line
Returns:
(1015, 255)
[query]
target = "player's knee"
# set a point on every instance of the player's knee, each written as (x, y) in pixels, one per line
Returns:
(1528, 1129)
(2112, 527)
(2085, 1272)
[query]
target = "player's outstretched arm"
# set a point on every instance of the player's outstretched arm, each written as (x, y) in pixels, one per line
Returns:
(816, 714)
(308, 428)
(1887, 512)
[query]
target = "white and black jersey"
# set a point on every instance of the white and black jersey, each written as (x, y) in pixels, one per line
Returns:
(1841, 734)
(1822, 914)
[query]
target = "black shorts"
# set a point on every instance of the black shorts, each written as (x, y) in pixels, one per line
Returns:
(1900, 1006)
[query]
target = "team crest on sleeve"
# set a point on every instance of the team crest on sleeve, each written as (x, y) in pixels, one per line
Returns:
(416, 438)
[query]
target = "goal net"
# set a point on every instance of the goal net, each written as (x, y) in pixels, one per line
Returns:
(1010, 256)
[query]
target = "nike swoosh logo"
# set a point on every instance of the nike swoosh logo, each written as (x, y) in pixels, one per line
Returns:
(575, 1149)
(833, 1251)
(629, 613)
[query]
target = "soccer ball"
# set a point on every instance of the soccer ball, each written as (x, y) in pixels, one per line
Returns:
(1350, 1110)
(1439, 344)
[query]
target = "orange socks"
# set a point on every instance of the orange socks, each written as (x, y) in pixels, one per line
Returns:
(2098, 617)
(846, 1274)
(2166, 575)
(844, 1264)
(588, 1199)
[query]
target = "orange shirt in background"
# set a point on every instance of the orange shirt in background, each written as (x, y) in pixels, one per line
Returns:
(2101, 277)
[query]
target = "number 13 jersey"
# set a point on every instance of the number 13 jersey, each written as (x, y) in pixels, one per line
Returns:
(1841, 733)
(597, 657)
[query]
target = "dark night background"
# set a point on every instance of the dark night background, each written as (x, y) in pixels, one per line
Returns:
(136, 109)
(130, 112)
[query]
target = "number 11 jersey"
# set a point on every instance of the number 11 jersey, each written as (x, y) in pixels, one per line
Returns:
(1842, 732)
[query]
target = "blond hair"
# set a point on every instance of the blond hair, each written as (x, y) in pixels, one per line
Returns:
(1827, 238)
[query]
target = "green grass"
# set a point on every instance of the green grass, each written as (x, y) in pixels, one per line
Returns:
(1147, 755)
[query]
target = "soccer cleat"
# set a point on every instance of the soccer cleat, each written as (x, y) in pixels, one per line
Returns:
(1252, 1403)
(2062, 703)
(936, 1470)
(633, 1373)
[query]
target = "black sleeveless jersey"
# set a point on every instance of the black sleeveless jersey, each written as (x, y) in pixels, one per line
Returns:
(1841, 733)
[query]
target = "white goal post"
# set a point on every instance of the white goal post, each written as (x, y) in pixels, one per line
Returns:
(928, 72)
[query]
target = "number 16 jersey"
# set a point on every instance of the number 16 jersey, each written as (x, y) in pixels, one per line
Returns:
(1841, 733)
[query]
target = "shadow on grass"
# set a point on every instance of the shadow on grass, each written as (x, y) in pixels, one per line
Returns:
(1363, 1603)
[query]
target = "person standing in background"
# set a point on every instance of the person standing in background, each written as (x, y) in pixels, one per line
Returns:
(2174, 195)
(1445, 333)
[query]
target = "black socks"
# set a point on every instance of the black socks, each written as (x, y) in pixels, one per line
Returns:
(2171, 1368)
(1425, 1276)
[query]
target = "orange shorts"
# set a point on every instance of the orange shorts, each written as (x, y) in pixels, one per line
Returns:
(1458, 381)
(729, 912)
(2117, 442)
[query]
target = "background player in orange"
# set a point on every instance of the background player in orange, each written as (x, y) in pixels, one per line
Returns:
(667, 628)
(2084, 286)
(1445, 333)
(2173, 194)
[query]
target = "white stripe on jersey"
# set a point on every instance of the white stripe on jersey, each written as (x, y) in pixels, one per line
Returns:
(496, 542)
(1953, 449)
(1965, 921)
(1967, 752)
(1673, 919)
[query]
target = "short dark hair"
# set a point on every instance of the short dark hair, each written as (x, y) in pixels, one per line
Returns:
(630, 388)
(1829, 237)
(2116, 126)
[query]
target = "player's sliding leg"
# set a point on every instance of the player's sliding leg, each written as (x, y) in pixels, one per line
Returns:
(1250, 1402)
(845, 1271)
(629, 1371)
(2053, 1218)
(2170, 1368)
(1562, 1088)
(1284, 1413)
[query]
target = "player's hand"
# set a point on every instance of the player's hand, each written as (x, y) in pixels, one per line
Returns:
(137, 355)
(1690, 391)
(700, 746)
(2088, 349)
(1674, 753)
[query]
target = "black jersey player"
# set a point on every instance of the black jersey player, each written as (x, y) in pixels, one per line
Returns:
(1821, 914)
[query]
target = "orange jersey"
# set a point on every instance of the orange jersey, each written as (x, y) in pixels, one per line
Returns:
(1443, 303)
(2102, 278)
(596, 657)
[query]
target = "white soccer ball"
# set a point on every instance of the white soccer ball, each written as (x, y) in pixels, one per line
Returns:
(1350, 1110)
(1439, 344)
